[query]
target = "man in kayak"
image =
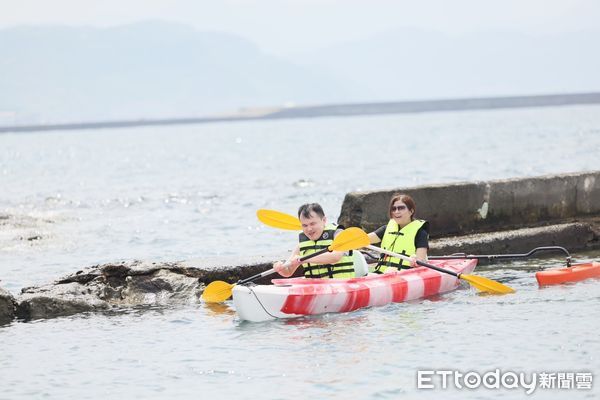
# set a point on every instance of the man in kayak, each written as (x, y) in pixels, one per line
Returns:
(316, 235)
(403, 234)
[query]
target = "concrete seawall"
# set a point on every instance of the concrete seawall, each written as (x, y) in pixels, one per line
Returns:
(502, 206)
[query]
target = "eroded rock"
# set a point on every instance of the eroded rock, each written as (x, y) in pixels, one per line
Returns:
(130, 284)
(7, 306)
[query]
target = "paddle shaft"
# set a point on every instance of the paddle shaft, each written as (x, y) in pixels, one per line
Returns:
(272, 270)
(253, 277)
(492, 257)
(406, 258)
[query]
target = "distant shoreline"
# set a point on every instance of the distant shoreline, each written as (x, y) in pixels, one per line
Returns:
(333, 110)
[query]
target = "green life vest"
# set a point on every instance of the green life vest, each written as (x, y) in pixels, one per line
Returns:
(399, 241)
(342, 269)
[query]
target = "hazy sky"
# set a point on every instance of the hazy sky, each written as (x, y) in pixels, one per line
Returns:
(288, 26)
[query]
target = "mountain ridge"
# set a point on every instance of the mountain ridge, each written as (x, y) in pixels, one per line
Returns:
(163, 70)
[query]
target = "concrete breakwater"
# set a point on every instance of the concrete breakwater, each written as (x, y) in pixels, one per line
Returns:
(332, 110)
(504, 216)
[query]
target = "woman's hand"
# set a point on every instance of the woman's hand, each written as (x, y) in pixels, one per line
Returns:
(390, 270)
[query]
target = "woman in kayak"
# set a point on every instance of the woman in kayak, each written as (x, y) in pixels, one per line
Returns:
(316, 235)
(403, 234)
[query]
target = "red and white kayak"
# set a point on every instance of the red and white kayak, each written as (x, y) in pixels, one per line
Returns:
(296, 297)
(577, 272)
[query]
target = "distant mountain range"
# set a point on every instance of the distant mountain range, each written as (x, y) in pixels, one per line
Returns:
(165, 70)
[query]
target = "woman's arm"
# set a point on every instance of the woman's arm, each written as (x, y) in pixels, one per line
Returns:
(377, 235)
(374, 238)
(422, 254)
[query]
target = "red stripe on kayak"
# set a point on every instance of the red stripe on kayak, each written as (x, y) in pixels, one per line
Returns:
(301, 304)
(357, 299)
(432, 281)
(399, 291)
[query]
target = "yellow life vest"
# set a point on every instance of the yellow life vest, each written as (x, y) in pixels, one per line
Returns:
(399, 241)
(342, 269)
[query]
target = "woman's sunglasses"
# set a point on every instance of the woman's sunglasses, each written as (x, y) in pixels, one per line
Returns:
(398, 208)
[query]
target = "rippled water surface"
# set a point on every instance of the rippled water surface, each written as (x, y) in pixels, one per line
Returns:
(73, 199)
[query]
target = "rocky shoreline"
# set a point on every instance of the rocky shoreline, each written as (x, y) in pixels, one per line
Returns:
(124, 284)
(509, 216)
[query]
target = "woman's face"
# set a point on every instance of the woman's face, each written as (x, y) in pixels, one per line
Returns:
(401, 214)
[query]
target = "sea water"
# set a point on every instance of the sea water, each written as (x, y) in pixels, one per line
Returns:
(78, 198)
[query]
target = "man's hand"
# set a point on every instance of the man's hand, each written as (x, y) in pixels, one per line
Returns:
(287, 269)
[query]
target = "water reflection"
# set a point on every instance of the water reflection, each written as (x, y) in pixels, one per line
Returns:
(327, 320)
(218, 309)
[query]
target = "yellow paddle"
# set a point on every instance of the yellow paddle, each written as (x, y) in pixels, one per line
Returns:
(479, 282)
(348, 239)
(280, 220)
(276, 219)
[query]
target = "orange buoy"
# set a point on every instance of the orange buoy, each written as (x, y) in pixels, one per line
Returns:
(577, 272)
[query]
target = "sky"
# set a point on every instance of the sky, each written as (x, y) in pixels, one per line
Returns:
(294, 26)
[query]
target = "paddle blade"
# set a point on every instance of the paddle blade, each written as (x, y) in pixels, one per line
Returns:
(217, 292)
(350, 239)
(487, 285)
(276, 219)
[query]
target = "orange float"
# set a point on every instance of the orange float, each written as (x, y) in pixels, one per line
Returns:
(577, 272)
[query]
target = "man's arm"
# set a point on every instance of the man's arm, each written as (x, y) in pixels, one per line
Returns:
(294, 262)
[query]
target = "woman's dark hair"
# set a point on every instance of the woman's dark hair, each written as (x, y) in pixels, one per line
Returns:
(306, 209)
(406, 199)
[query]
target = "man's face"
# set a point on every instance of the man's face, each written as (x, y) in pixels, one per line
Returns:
(313, 226)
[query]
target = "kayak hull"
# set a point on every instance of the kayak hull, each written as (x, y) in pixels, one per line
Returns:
(296, 297)
(575, 273)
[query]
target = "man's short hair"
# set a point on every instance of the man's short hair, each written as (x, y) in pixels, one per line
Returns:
(306, 209)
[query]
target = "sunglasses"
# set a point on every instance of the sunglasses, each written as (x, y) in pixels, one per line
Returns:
(398, 208)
